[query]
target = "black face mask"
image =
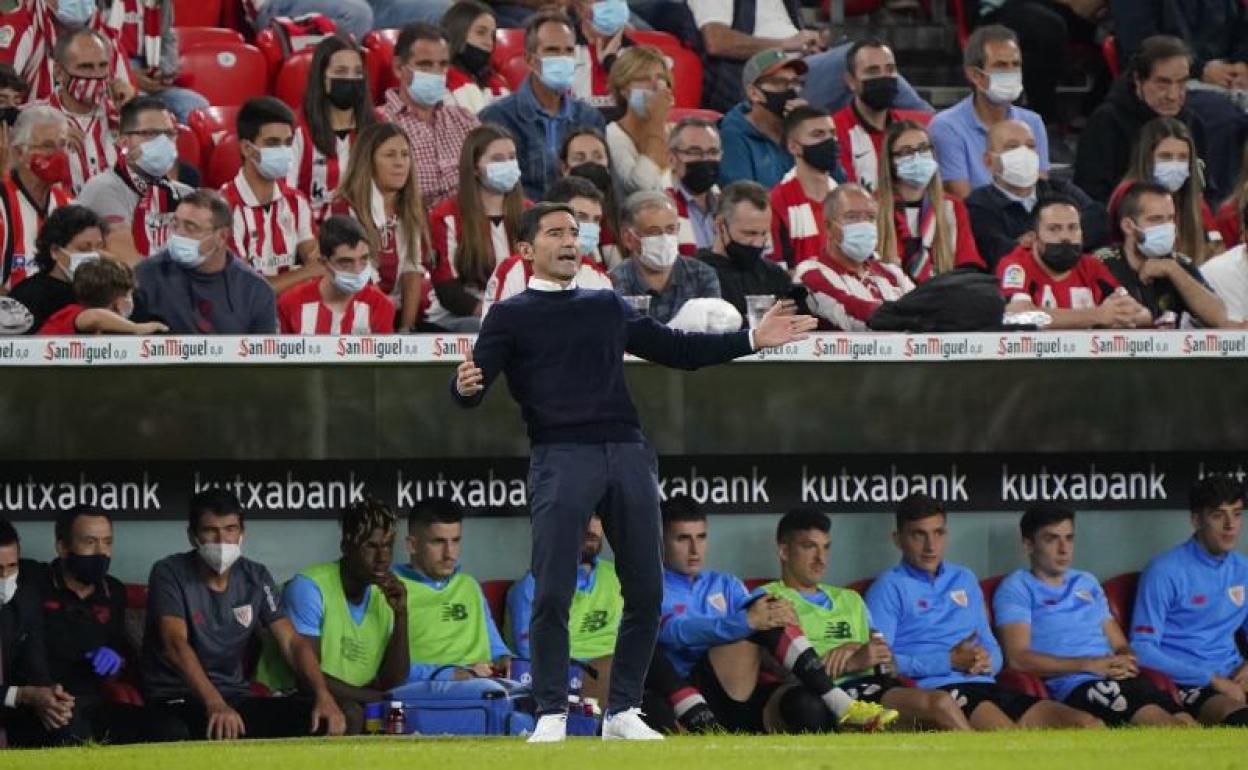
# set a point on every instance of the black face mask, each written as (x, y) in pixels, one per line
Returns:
(88, 569)
(8, 115)
(775, 101)
(879, 93)
(599, 175)
(473, 59)
(742, 255)
(345, 93)
(822, 156)
(1061, 256)
(700, 175)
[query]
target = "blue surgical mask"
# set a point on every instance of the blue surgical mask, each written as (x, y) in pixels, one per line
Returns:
(639, 101)
(1171, 174)
(185, 251)
(1004, 87)
(858, 240)
(609, 16)
(502, 176)
(558, 72)
(352, 283)
(157, 156)
(427, 88)
(916, 169)
(1158, 240)
(587, 236)
(275, 162)
(75, 13)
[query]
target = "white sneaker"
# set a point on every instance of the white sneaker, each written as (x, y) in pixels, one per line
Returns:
(628, 726)
(551, 728)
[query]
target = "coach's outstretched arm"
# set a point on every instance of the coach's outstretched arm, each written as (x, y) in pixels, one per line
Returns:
(484, 362)
(655, 342)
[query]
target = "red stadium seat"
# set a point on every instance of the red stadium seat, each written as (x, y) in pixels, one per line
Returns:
(1109, 49)
(192, 37)
(752, 583)
(223, 163)
(271, 47)
(508, 43)
(963, 24)
(230, 74)
(188, 147)
(379, 61)
(118, 691)
(918, 116)
(514, 72)
(496, 597)
(989, 587)
(1120, 594)
(196, 13)
(1015, 680)
(853, 7)
(292, 79)
(677, 114)
(210, 126)
(688, 83)
(861, 586)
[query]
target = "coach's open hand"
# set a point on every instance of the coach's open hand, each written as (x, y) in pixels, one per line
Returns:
(469, 377)
(779, 325)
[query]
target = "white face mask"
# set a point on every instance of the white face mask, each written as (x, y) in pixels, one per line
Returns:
(77, 259)
(8, 587)
(1004, 87)
(1020, 167)
(220, 556)
(659, 252)
(1171, 174)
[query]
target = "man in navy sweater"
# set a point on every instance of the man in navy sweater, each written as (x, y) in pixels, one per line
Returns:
(562, 349)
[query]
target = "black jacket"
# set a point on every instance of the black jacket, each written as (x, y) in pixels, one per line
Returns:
(21, 637)
(1213, 29)
(735, 283)
(998, 222)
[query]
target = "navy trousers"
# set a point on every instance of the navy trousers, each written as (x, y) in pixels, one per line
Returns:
(568, 483)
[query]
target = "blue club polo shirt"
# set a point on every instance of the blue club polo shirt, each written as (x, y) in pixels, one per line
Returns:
(960, 140)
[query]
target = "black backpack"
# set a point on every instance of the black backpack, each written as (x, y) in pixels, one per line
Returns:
(962, 300)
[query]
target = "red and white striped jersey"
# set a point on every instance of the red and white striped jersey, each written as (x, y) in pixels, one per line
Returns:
(861, 145)
(796, 221)
(392, 259)
(688, 239)
(20, 221)
(300, 310)
(316, 175)
(592, 82)
(267, 235)
(99, 141)
(843, 299)
(37, 66)
(18, 37)
(914, 251)
(138, 25)
(462, 90)
(512, 277)
(446, 230)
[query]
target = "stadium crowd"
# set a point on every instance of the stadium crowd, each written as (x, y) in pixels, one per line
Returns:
(385, 194)
(225, 652)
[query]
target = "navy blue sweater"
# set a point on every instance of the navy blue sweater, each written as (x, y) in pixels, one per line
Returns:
(563, 354)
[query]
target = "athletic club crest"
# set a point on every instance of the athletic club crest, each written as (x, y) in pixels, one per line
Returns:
(243, 615)
(958, 597)
(718, 602)
(1237, 595)
(1084, 595)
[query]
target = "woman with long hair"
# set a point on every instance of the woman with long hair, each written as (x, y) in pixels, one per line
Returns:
(1165, 153)
(471, 82)
(336, 107)
(381, 192)
(1231, 212)
(921, 228)
(475, 230)
(585, 153)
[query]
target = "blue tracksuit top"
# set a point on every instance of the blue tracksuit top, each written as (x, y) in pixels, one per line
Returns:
(700, 613)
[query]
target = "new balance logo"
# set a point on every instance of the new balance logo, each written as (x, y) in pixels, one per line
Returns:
(454, 612)
(593, 621)
(837, 629)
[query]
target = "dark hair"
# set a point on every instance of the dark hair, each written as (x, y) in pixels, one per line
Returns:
(1048, 202)
(852, 53)
(434, 510)
(539, 20)
(690, 122)
(339, 230)
(260, 111)
(131, 110)
(11, 80)
(800, 520)
(316, 99)
(217, 501)
(101, 282)
(414, 32)
(1130, 204)
(62, 226)
(531, 222)
(578, 132)
(458, 20)
(64, 527)
(61, 50)
(1214, 490)
(681, 508)
(569, 187)
(8, 535)
(1042, 515)
(743, 191)
(358, 520)
(798, 116)
(975, 54)
(1155, 50)
(916, 507)
(205, 198)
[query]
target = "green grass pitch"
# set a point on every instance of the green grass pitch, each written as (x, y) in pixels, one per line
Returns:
(1131, 749)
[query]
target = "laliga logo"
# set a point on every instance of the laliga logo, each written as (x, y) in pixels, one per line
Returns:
(456, 346)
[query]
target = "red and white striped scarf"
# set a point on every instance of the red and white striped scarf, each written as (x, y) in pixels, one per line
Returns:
(138, 26)
(156, 199)
(38, 71)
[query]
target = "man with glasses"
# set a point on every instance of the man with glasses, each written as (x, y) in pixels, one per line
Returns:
(847, 281)
(196, 285)
(753, 145)
(33, 187)
(136, 197)
(695, 157)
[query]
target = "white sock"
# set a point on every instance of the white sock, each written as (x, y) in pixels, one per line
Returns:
(838, 701)
(686, 703)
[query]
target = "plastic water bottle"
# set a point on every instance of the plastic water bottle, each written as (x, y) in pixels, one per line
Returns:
(881, 669)
(396, 722)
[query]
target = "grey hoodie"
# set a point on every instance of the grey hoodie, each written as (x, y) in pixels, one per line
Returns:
(233, 301)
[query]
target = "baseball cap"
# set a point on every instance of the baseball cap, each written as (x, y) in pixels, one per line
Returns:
(765, 63)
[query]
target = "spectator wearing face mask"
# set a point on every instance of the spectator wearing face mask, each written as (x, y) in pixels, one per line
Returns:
(34, 187)
(655, 268)
(72, 236)
(344, 300)
(1000, 212)
(602, 38)
(584, 154)
(1150, 267)
(104, 294)
(993, 64)
(753, 131)
(923, 228)
(642, 83)
(39, 65)
(846, 281)
(694, 153)
(1053, 274)
(797, 202)
(737, 254)
(136, 197)
(472, 82)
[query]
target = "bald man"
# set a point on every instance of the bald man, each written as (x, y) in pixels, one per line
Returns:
(1001, 210)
